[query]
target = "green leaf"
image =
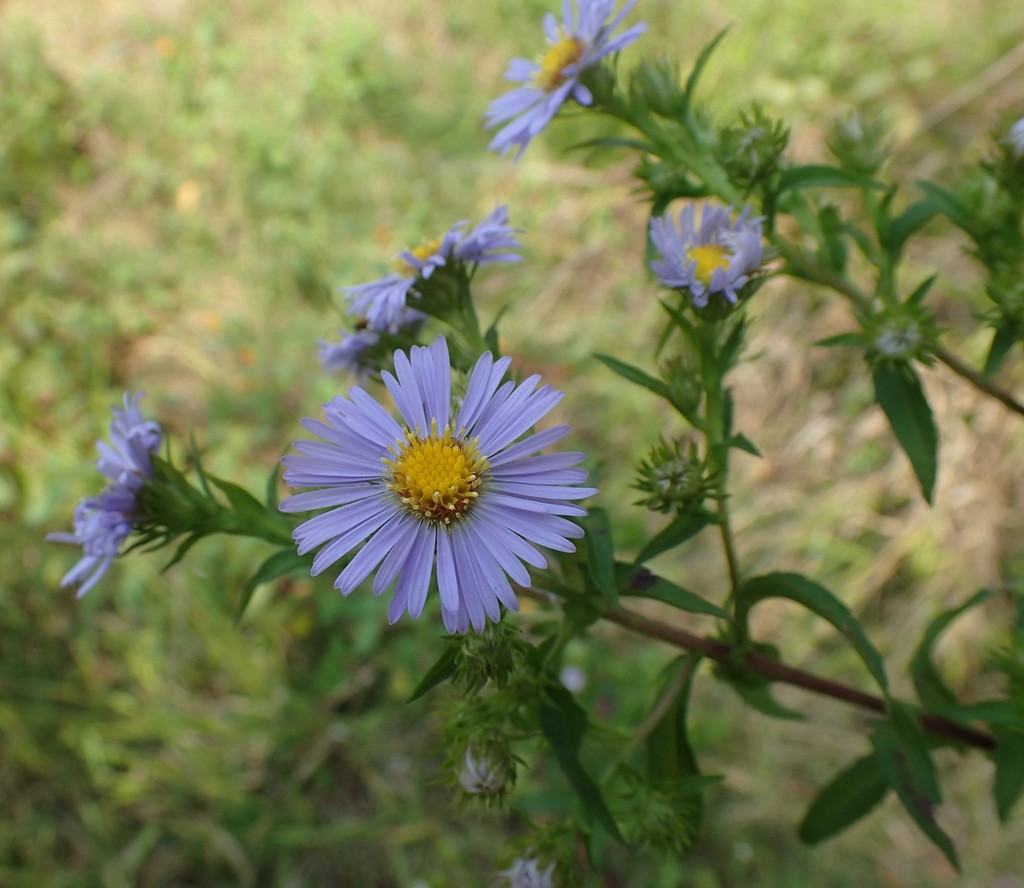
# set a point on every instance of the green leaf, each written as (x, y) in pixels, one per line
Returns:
(742, 442)
(440, 672)
(239, 498)
(698, 69)
(851, 794)
(903, 758)
(921, 291)
(277, 565)
(1003, 340)
(858, 340)
(911, 220)
(563, 723)
(639, 582)
(617, 142)
(817, 175)
(601, 554)
(669, 754)
(1008, 782)
(635, 375)
(271, 491)
(759, 697)
(1001, 713)
(899, 393)
(947, 202)
(819, 600)
(931, 689)
(678, 531)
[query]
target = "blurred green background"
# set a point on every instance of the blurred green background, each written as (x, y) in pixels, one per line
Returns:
(183, 188)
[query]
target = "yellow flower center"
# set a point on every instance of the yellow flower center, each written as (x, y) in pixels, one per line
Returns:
(437, 476)
(553, 63)
(423, 252)
(708, 258)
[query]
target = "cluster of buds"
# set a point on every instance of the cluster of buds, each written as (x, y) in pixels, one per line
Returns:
(673, 479)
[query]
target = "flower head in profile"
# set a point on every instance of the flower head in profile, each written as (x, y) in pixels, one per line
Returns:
(446, 491)
(709, 255)
(384, 304)
(484, 773)
(526, 873)
(349, 355)
(580, 42)
(1015, 138)
(104, 522)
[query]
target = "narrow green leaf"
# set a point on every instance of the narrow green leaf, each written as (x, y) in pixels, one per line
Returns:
(1008, 782)
(817, 175)
(858, 340)
(899, 394)
(759, 697)
(698, 69)
(819, 600)
(271, 491)
(239, 498)
(931, 689)
(851, 794)
(616, 142)
(440, 672)
(635, 375)
(277, 565)
(1001, 713)
(907, 223)
(678, 531)
(947, 202)
(1004, 339)
(639, 582)
(922, 289)
(669, 754)
(563, 723)
(742, 442)
(601, 554)
(903, 769)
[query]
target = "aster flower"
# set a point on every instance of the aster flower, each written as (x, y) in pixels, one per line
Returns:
(383, 303)
(715, 255)
(348, 355)
(447, 491)
(582, 40)
(1015, 138)
(526, 873)
(483, 773)
(104, 522)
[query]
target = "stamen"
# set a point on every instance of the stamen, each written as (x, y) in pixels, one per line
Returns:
(423, 252)
(708, 257)
(437, 476)
(567, 51)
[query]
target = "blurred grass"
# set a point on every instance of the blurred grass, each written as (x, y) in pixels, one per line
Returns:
(183, 186)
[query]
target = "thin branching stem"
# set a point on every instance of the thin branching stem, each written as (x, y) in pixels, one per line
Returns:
(977, 380)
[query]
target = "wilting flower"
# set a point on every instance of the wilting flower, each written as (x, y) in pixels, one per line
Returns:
(383, 303)
(582, 40)
(446, 491)
(484, 773)
(526, 873)
(1016, 138)
(104, 522)
(348, 355)
(715, 255)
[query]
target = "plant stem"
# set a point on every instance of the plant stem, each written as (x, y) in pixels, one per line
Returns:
(773, 670)
(977, 380)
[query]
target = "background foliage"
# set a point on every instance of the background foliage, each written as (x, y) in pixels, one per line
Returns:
(182, 188)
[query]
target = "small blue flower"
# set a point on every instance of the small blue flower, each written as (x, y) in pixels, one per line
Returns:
(104, 522)
(526, 873)
(582, 40)
(384, 303)
(447, 492)
(715, 256)
(1016, 139)
(348, 356)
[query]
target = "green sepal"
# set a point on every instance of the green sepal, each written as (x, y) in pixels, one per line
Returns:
(818, 600)
(563, 723)
(675, 533)
(639, 582)
(899, 393)
(850, 795)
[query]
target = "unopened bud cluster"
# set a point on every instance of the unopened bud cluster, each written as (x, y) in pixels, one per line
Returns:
(674, 479)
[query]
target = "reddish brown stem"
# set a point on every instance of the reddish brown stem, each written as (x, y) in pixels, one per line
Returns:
(977, 380)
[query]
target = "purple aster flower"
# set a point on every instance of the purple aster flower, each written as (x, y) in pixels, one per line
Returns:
(104, 522)
(446, 491)
(526, 873)
(348, 355)
(715, 255)
(582, 40)
(491, 240)
(383, 303)
(1016, 139)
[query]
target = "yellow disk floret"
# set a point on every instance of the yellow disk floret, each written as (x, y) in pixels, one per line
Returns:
(423, 252)
(708, 257)
(567, 51)
(436, 477)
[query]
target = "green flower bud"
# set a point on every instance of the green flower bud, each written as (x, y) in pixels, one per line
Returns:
(673, 480)
(859, 143)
